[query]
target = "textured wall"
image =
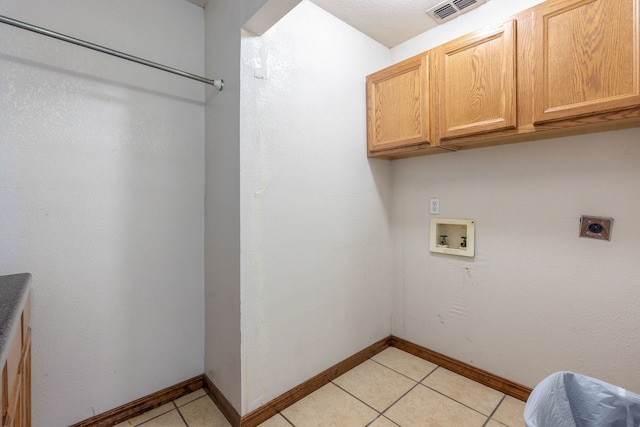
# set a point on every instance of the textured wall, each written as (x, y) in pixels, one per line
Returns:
(316, 257)
(222, 212)
(536, 298)
(101, 199)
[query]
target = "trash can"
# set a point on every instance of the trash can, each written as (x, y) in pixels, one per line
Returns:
(567, 399)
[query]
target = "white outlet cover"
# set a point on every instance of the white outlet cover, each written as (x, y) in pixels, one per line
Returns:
(434, 206)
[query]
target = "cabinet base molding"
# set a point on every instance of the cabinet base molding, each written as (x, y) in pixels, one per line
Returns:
(297, 393)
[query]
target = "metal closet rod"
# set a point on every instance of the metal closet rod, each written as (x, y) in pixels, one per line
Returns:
(219, 84)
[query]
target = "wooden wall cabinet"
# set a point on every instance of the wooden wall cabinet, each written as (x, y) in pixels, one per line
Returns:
(586, 57)
(476, 82)
(398, 107)
(563, 67)
(15, 397)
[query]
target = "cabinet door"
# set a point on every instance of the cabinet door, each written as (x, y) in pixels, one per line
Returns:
(586, 57)
(13, 417)
(3, 392)
(26, 386)
(398, 105)
(13, 373)
(476, 82)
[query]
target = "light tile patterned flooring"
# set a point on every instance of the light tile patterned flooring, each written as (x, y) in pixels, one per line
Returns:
(391, 389)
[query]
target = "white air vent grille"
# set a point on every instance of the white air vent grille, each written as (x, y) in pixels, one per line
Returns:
(447, 10)
(463, 4)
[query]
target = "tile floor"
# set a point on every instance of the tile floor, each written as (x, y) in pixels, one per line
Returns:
(391, 389)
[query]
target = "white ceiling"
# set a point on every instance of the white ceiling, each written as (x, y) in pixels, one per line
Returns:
(390, 22)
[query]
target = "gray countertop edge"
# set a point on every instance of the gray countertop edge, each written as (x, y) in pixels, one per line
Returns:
(14, 290)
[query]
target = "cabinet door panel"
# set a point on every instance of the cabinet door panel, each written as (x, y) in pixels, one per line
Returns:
(14, 414)
(476, 87)
(13, 364)
(26, 384)
(398, 105)
(586, 58)
(3, 392)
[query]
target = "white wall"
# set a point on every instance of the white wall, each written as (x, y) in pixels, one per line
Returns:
(536, 298)
(102, 177)
(101, 199)
(316, 243)
(222, 211)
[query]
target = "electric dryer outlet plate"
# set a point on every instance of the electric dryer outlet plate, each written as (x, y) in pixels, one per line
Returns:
(596, 227)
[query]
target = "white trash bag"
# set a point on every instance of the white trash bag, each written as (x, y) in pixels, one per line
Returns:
(567, 399)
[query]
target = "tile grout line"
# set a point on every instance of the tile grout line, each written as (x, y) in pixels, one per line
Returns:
(286, 419)
(386, 418)
(463, 404)
(429, 374)
(180, 413)
(153, 418)
(398, 399)
(451, 398)
(357, 398)
(406, 376)
(381, 413)
(504, 396)
(417, 383)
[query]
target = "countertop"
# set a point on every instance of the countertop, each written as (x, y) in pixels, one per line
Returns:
(13, 296)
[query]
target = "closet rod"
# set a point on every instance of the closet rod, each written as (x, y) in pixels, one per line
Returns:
(219, 84)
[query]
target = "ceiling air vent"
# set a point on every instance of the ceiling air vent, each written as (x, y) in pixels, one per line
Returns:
(447, 10)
